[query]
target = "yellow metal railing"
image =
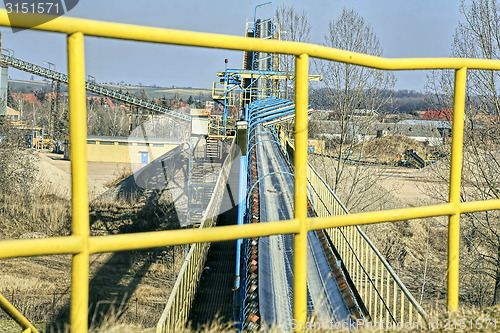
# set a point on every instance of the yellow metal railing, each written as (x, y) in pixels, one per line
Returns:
(216, 126)
(81, 245)
(175, 315)
(16, 315)
(384, 295)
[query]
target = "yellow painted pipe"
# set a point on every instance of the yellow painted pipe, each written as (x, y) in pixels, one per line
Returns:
(38, 247)
(188, 236)
(455, 184)
(300, 189)
(78, 242)
(16, 315)
(476, 206)
(376, 311)
(80, 205)
(402, 307)
(70, 25)
(395, 300)
(381, 216)
(388, 297)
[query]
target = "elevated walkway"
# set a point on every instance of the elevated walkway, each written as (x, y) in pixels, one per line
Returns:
(214, 298)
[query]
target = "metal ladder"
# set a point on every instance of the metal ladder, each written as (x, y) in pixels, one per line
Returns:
(213, 150)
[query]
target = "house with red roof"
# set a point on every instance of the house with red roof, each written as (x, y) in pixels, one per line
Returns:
(30, 98)
(443, 115)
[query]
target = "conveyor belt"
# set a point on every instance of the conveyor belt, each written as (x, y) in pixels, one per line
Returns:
(90, 86)
(325, 300)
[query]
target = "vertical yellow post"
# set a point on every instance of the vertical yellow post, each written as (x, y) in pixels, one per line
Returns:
(370, 295)
(402, 306)
(300, 188)
(395, 301)
(80, 204)
(367, 274)
(376, 288)
(357, 269)
(388, 297)
(455, 182)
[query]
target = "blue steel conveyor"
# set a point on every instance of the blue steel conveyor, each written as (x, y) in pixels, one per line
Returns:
(267, 261)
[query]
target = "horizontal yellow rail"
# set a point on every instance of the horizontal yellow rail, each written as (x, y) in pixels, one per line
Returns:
(69, 25)
(81, 245)
(208, 40)
(40, 246)
(72, 244)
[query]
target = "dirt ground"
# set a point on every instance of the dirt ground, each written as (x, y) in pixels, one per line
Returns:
(408, 185)
(56, 173)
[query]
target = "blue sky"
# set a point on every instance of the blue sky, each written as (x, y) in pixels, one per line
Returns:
(409, 28)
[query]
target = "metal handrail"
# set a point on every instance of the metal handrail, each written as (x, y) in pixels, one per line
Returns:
(391, 271)
(16, 315)
(375, 249)
(175, 316)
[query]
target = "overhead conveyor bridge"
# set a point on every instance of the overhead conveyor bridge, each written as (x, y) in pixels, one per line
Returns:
(90, 86)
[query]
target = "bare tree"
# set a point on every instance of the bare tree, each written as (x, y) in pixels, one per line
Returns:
(356, 95)
(106, 121)
(292, 26)
(478, 36)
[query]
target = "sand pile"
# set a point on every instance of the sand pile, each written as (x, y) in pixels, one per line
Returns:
(51, 178)
(54, 176)
(389, 147)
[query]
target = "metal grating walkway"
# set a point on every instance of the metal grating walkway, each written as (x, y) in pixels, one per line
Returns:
(214, 297)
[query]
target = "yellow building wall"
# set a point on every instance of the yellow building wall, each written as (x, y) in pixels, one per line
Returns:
(319, 146)
(118, 152)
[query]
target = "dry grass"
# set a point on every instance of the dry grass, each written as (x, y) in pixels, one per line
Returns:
(122, 174)
(126, 288)
(36, 216)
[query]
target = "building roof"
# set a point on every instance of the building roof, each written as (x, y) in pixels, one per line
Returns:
(200, 112)
(411, 130)
(106, 100)
(12, 112)
(30, 98)
(437, 123)
(131, 139)
(444, 114)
